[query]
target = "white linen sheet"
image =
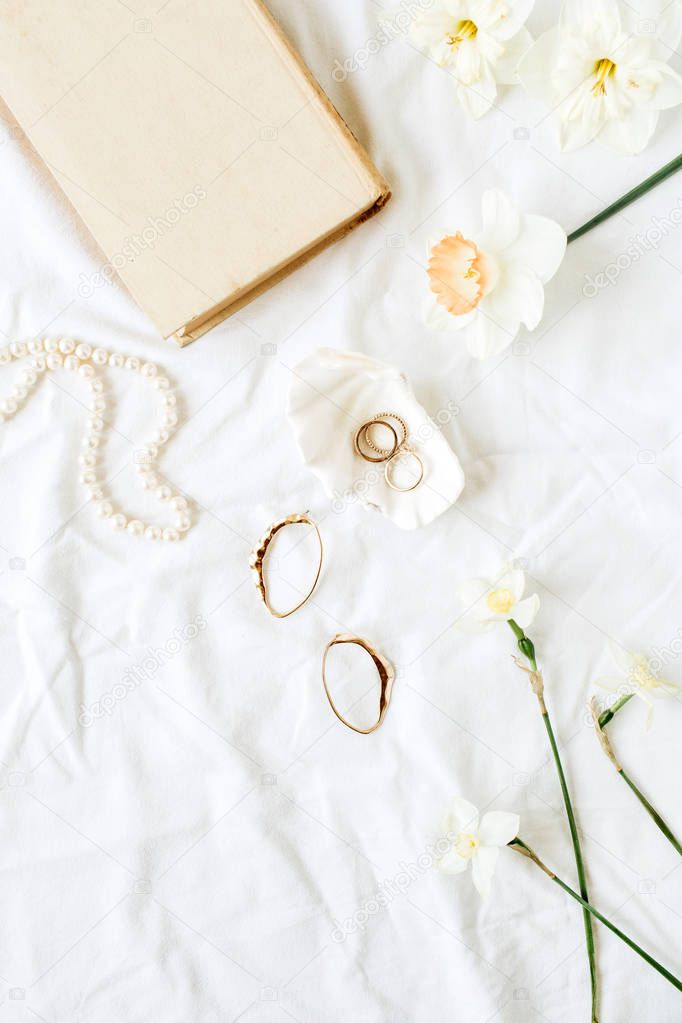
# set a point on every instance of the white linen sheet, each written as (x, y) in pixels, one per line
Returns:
(197, 852)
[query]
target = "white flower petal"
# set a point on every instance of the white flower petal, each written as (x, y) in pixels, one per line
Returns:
(437, 317)
(511, 578)
(476, 98)
(667, 90)
(501, 221)
(632, 134)
(541, 246)
(463, 816)
(452, 863)
(581, 117)
(525, 612)
(597, 19)
(498, 828)
(483, 869)
(509, 18)
(514, 51)
(623, 659)
(486, 337)
(518, 298)
(472, 590)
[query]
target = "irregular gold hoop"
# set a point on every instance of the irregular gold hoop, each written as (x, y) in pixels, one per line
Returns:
(382, 417)
(403, 453)
(384, 670)
(257, 560)
(388, 453)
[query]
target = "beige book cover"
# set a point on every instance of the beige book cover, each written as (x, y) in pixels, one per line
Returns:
(194, 143)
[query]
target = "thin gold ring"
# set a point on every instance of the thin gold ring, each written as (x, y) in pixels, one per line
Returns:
(383, 457)
(382, 417)
(384, 670)
(257, 561)
(401, 454)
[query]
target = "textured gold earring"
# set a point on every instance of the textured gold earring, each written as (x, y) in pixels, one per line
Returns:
(257, 562)
(384, 670)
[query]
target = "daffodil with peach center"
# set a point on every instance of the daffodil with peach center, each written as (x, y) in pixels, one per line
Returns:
(460, 275)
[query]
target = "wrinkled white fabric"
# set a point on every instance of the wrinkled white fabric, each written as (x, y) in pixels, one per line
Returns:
(217, 846)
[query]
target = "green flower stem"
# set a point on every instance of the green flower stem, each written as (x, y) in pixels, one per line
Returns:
(605, 741)
(629, 197)
(520, 846)
(610, 713)
(526, 647)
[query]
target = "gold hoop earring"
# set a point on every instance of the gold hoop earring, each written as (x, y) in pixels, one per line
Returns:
(384, 670)
(257, 560)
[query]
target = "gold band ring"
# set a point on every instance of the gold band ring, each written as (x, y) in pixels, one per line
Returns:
(257, 561)
(386, 455)
(382, 417)
(403, 453)
(384, 670)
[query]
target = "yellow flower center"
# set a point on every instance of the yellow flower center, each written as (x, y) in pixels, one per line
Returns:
(500, 602)
(465, 30)
(465, 845)
(604, 69)
(642, 678)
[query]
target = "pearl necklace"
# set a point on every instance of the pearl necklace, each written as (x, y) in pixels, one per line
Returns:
(50, 354)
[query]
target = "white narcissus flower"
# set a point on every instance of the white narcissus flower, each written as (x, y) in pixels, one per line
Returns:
(637, 678)
(487, 286)
(489, 603)
(480, 42)
(601, 78)
(477, 841)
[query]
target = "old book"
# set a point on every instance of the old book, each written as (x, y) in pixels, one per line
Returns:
(194, 143)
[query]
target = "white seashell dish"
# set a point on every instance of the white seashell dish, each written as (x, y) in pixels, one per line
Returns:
(332, 394)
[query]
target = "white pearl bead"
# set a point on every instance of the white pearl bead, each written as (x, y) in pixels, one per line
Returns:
(160, 437)
(71, 363)
(88, 478)
(18, 349)
(87, 461)
(39, 362)
(118, 521)
(91, 441)
(100, 356)
(83, 351)
(8, 406)
(5, 356)
(104, 509)
(164, 493)
(148, 453)
(136, 528)
(171, 535)
(133, 364)
(169, 399)
(28, 377)
(35, 346)
(96, 493)
(54, 360)
(98, 405)
(162, 383)
(95, 423)
(182, 523)
(86, 371)
(67, 345)
(18, 392)
(149, 370)
(153, 533)
(116, 360)
(50, 344)
(179, 503)
(150, 481)
(171, 419)
(96, 386)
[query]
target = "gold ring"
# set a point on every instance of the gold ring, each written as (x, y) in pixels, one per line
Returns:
(404, 452)
(384, 670)
(257, 561)
(387, 454)
(382, 417)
